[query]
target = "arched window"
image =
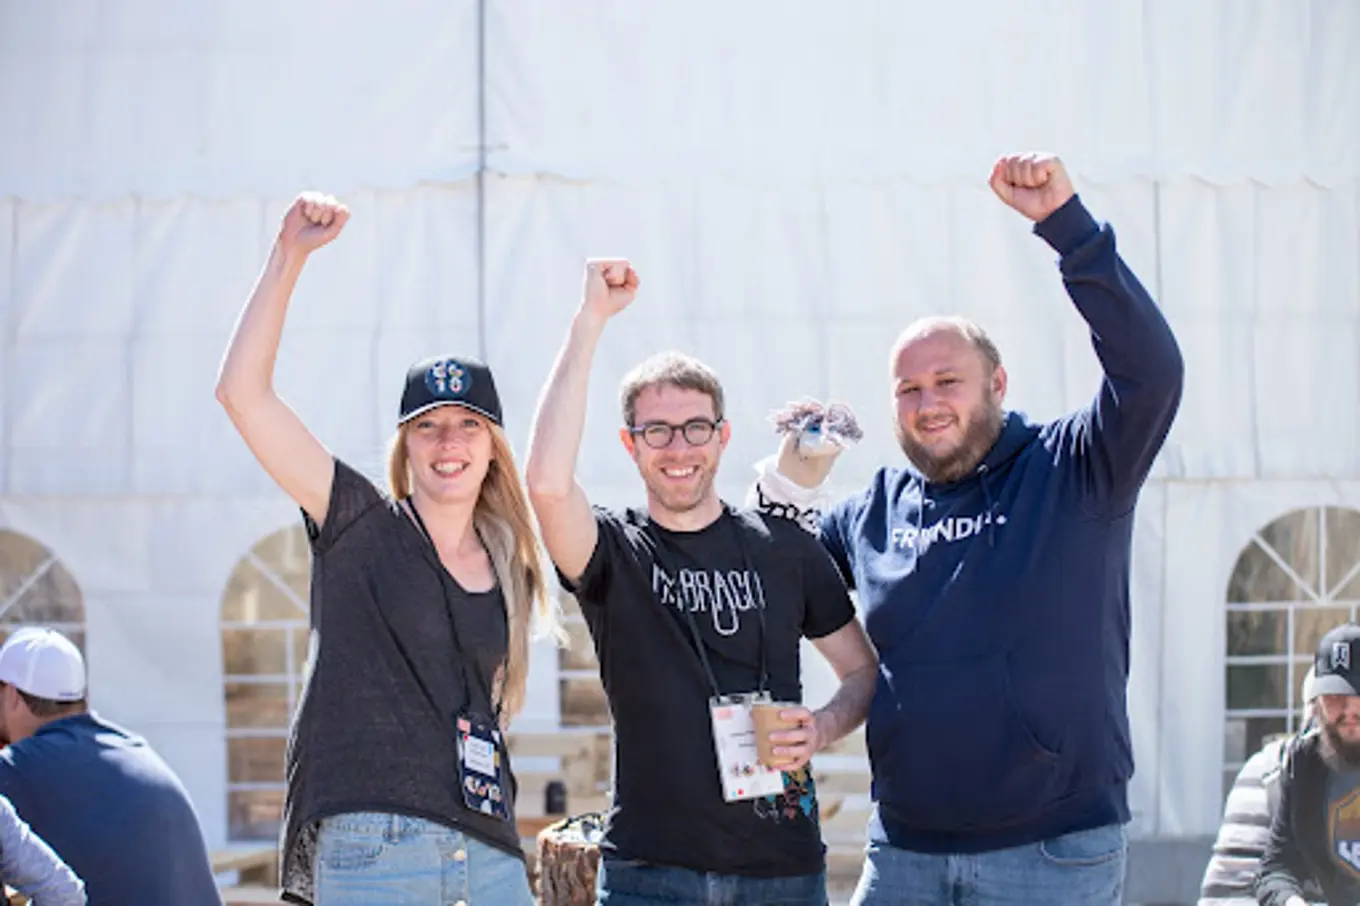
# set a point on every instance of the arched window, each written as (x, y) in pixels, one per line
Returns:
(1298, 577)
(35, 589)
(264, 656)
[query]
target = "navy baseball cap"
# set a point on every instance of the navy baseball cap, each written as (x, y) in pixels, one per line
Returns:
(449, 381)
(1338, 661)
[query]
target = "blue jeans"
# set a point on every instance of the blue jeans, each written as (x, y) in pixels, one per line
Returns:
(623, 882)
(1085, 868)
(367, 858)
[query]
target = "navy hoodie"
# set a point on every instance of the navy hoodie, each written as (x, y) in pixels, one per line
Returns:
(999, 603)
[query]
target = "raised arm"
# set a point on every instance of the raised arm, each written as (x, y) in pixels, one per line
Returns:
(1119, 434)
(294, 458)
(563, 511)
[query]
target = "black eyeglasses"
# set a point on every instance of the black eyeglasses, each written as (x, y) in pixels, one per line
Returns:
(658, 435)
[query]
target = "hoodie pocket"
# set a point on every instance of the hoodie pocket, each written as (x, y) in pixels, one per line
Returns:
(954, 751)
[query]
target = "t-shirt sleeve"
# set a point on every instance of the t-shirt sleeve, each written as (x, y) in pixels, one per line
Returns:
(828, 606)
(352, 495)
(609, 537)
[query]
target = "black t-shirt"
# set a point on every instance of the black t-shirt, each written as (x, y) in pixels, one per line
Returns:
(668, 807)
(374, 731)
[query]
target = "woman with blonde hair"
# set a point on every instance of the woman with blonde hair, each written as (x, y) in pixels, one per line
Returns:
(399, 783)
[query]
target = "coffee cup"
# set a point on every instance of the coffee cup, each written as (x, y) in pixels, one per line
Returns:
(765, 716)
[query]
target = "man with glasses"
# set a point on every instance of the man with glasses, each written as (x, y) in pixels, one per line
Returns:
(696, 610)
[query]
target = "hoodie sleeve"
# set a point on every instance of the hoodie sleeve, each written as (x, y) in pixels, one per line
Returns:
(832, 535)
(1117, 436)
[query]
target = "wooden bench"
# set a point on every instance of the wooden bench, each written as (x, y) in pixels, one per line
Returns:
(257, 874)
(246, 895)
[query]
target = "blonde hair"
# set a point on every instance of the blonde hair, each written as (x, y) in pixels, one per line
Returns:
(504, 522)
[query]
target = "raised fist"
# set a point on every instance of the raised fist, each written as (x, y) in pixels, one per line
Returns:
(611, 284)
(313, 220)
(1034, 184)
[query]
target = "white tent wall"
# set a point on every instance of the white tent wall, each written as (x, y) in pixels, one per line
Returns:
(795, 184)
(781, 93)
(234, 97)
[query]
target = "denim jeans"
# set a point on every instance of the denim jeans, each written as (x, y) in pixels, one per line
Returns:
(623, 882)
(368, 858)
(1085, 868)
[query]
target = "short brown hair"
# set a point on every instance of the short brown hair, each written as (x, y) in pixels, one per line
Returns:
(45, 708)
(677, 370)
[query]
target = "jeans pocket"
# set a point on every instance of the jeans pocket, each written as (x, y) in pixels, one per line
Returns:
(350, 855)
(1084, 848)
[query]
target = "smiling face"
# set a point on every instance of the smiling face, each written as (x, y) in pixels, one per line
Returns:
(1339, 716)
(449, 452)
(949, 397)
(679, 476)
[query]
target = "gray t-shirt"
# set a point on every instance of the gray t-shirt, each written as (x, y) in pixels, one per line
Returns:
(374, 730)
(1343, 826)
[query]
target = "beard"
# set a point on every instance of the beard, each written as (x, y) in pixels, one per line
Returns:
(983, 429)
(673, 500)
(1338, 752)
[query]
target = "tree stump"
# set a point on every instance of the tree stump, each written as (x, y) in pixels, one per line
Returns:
(568, 858)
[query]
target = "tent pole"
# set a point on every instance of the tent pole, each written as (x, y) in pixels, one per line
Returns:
(481, 179)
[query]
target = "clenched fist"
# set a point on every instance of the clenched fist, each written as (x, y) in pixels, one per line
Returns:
(313, 220)
(1034, 184)
(611, 284)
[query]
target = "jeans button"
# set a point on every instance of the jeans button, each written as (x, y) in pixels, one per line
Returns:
(460, 856)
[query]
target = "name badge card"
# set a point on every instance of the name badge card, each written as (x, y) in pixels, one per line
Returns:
(744, 776)
(479, 768)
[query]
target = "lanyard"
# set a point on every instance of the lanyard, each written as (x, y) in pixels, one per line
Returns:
(453, 622)
(759, 599)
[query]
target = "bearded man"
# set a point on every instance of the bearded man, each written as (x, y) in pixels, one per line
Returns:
(1315, 835)
(993, 574)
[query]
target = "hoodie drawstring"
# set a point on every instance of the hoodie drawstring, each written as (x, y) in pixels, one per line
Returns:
(920, 514)
(987, 499)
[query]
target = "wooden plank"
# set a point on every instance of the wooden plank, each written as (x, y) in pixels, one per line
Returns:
(533, 785)
(564, 742)
(583, 702)
(841, 783)
(242, 860)
(580, 651)
(243, 895)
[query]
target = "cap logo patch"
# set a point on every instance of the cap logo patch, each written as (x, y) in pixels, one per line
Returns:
(1341, 656)
(447, 378)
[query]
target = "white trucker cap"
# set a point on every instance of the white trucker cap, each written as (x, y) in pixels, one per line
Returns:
(43, 663)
